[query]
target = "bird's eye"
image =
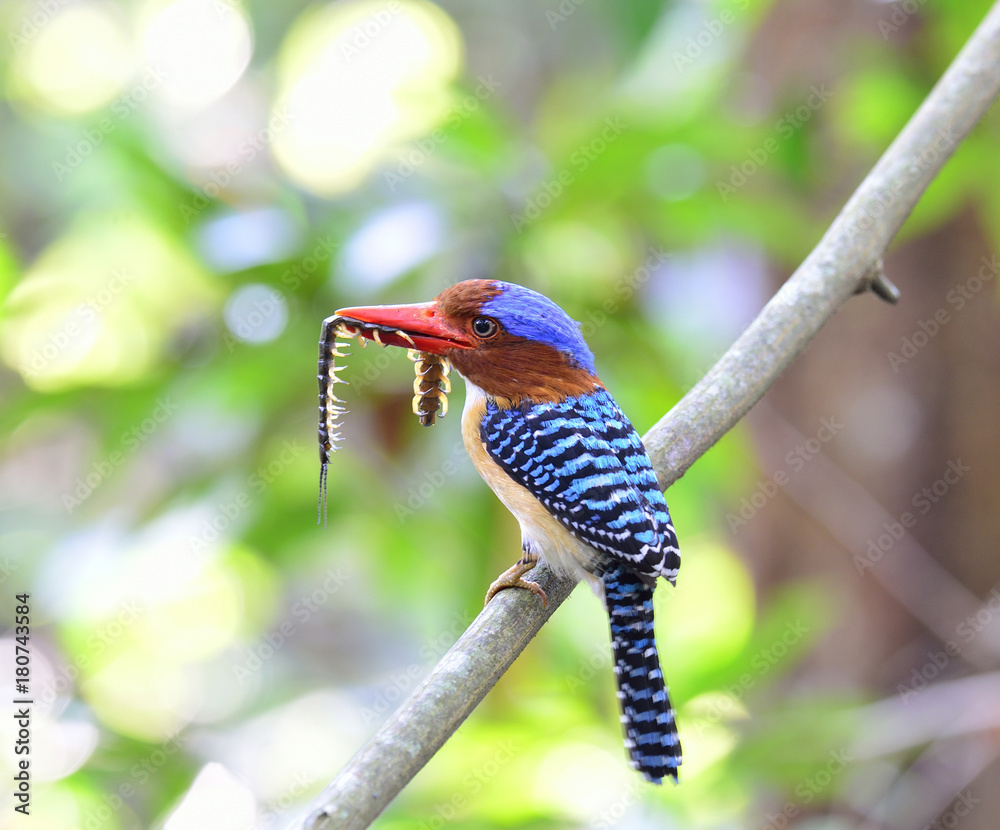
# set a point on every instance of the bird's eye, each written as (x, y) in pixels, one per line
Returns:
(485, 327)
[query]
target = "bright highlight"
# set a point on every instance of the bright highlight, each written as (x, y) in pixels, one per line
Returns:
(358, 77)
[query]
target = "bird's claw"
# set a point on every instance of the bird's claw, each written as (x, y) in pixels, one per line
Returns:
(514, 578)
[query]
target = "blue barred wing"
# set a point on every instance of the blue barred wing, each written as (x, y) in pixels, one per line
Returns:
(584, 461)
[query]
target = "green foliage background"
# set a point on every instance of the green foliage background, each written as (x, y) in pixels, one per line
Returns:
(657, 168)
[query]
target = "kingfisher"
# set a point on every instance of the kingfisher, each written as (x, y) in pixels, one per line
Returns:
(557, 450)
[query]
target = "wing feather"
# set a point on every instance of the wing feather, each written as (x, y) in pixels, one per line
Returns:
(584, 461)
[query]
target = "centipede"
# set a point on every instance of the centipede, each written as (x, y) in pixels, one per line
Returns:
(430, 387)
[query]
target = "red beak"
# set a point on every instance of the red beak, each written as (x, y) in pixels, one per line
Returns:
(423, 325)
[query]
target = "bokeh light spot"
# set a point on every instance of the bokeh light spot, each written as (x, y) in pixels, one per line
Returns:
(675, 172)
(215, 801)
(698, 642)
(99, 305)
(594, 252)
(139, 694)
(201, 47)
(256, 313)
(884, 423)
(391, 243)
(242, 240)
(78, 61)
(357, 78)
(582, 779)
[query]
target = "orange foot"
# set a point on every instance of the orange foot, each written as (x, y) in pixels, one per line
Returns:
(514, 578)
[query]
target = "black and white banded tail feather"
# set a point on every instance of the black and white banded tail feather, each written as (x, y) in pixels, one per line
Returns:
(647, 717)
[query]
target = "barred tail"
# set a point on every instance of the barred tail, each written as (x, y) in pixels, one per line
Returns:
(647, 717)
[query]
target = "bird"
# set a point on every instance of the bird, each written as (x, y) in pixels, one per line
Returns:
(554, 446)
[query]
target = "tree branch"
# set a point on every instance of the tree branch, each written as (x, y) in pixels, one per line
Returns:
(847, 259)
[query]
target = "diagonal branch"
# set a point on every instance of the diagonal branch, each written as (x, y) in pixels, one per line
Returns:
(847, 259)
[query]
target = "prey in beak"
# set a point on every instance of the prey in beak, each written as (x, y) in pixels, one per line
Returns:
(417, 327)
